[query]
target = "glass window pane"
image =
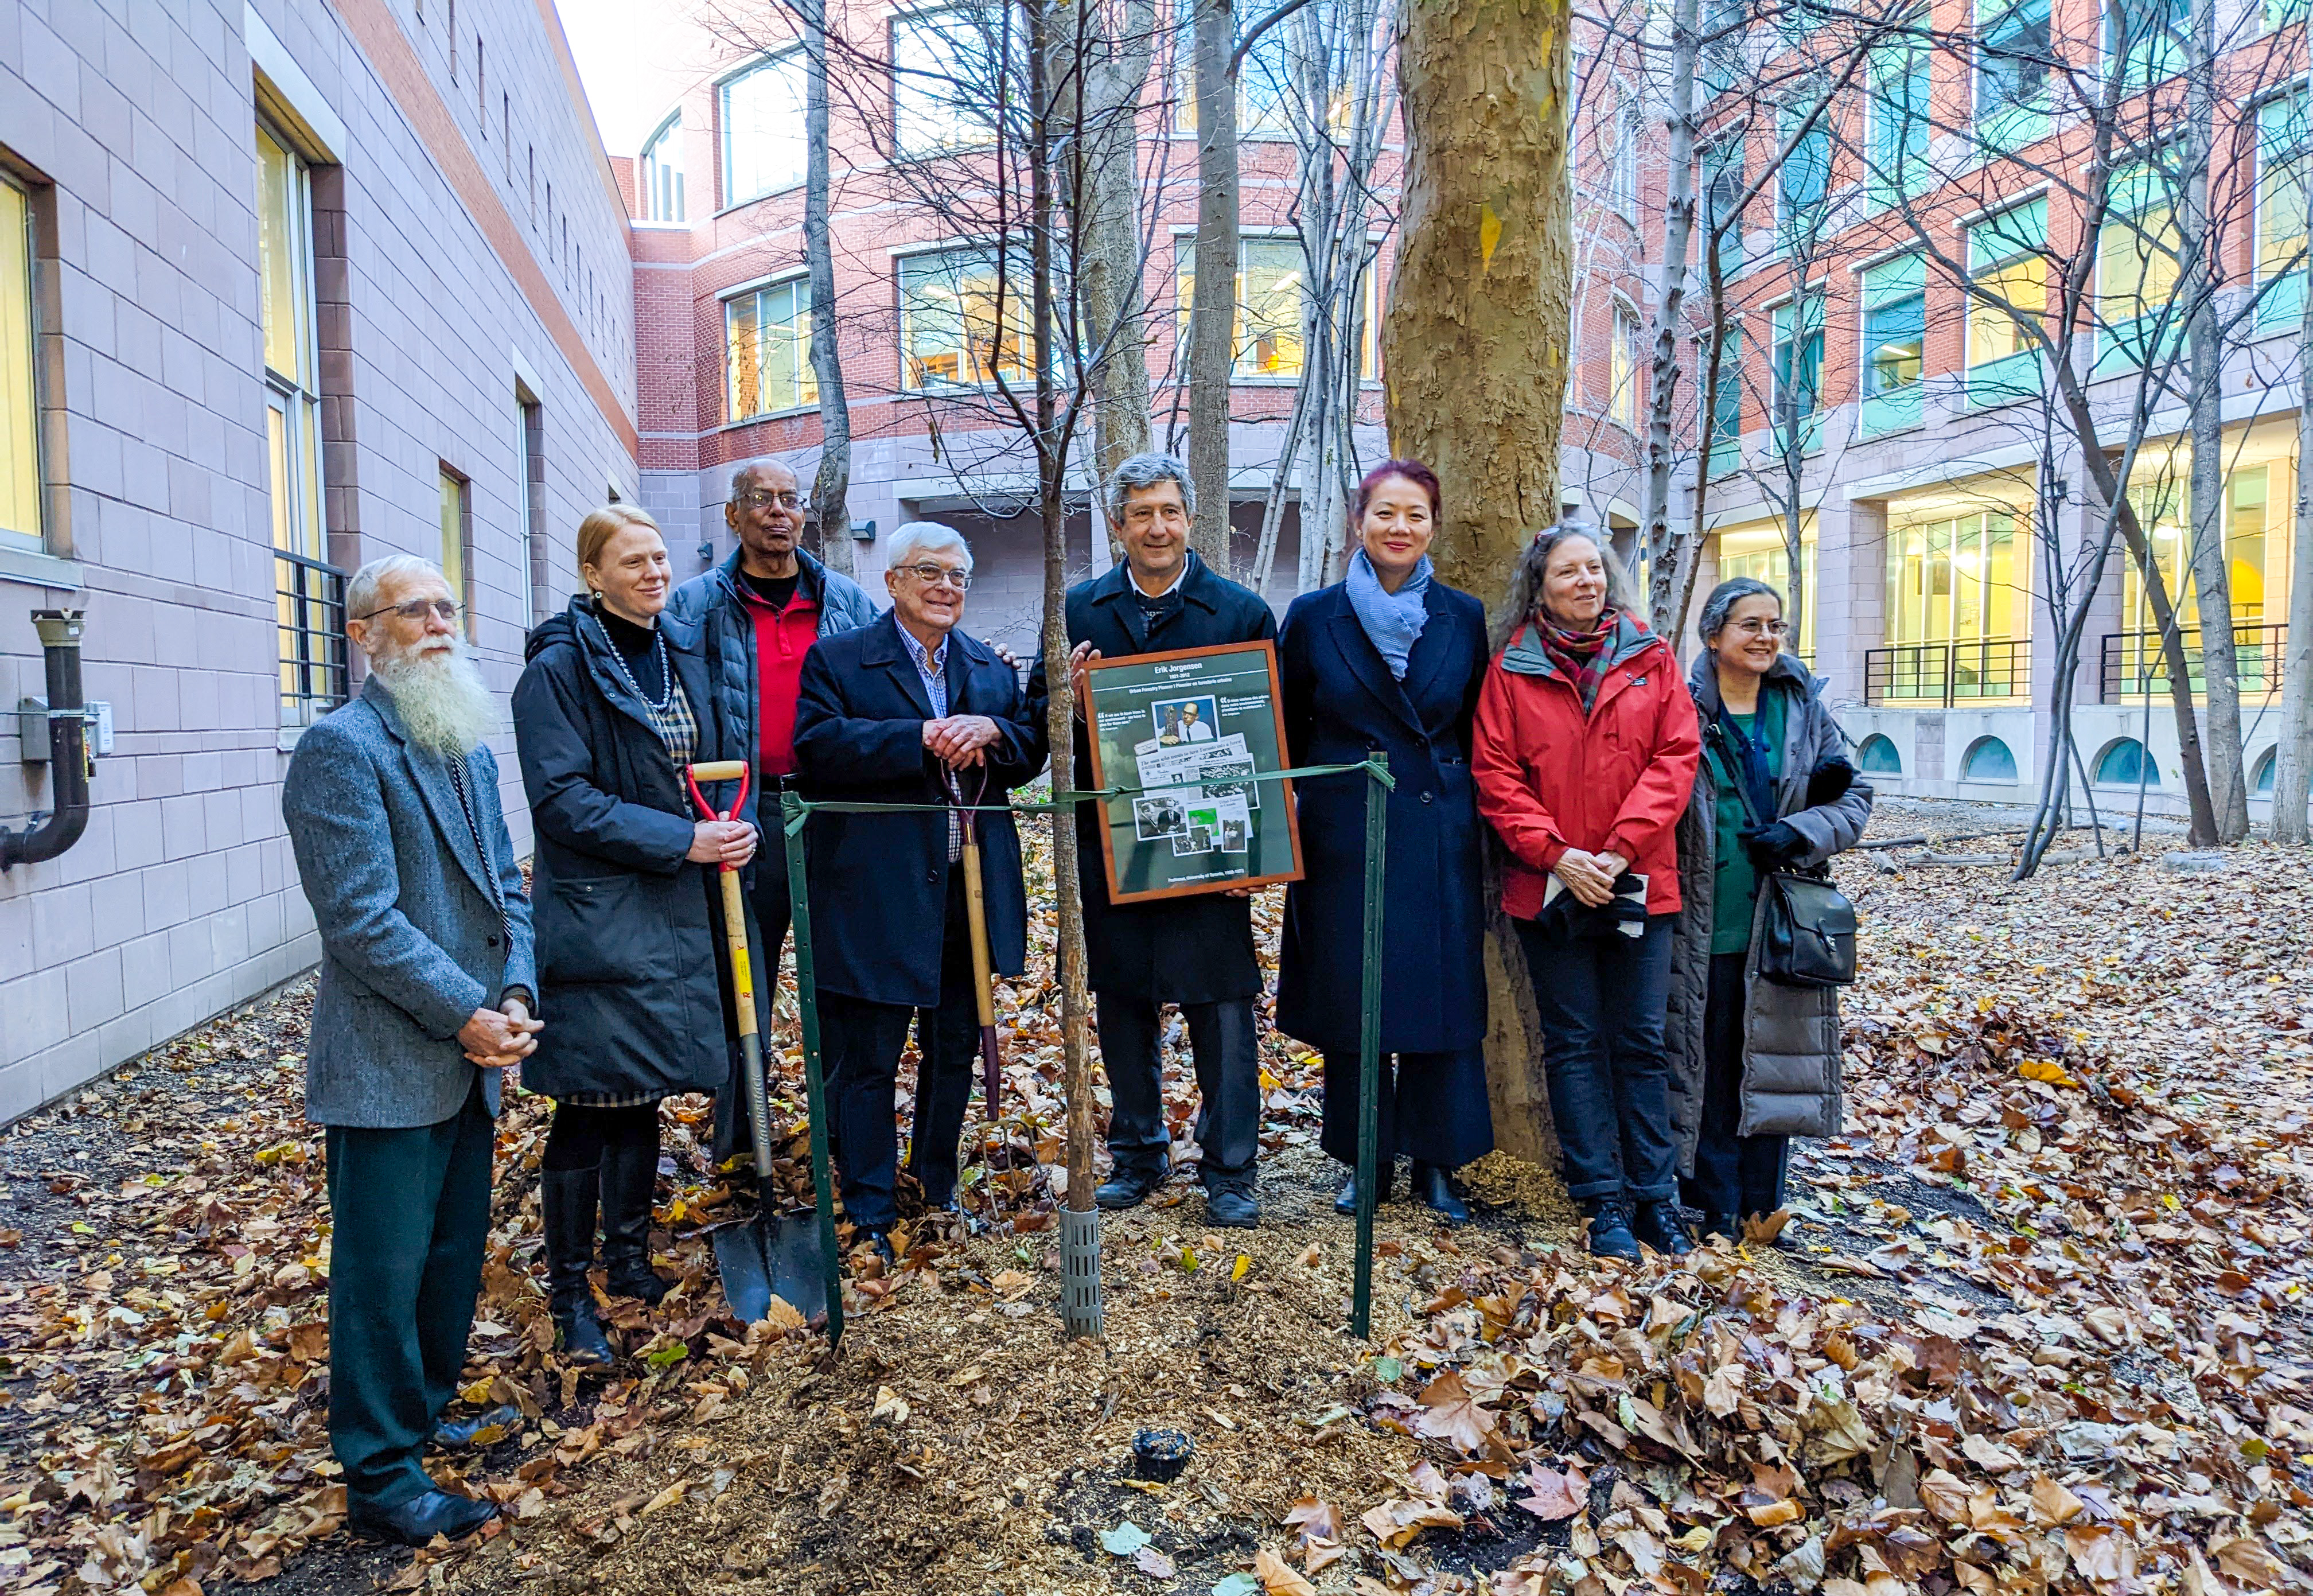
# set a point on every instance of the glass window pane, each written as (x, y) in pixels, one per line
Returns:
(284, 266)
(2283, 169)
(949, 331)
(762, 130)
(662, 170)
(743, 320)
(276, 459)
(19, 456)
(1895, 338)
(1270, 299)
(949, 85)
(453, 536)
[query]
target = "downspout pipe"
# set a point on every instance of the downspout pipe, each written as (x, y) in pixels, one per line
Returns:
(68, 770)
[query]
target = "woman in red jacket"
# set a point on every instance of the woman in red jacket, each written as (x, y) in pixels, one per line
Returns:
(1584, 759)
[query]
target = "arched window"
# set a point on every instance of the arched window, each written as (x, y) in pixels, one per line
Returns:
(1878, 757)
(662, 173)
(2125, 763)
(2261, 783)
(1988, 758)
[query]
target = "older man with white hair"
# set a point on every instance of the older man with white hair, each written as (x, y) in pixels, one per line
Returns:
(910, 710)
(426, 984)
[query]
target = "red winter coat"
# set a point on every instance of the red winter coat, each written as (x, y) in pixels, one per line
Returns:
(1550, 778)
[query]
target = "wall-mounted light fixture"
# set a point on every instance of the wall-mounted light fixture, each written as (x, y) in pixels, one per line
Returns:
(863, 532)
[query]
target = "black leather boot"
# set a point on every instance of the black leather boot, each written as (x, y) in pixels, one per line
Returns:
(568, 1197)
(1661, 1226)
(1433, 1188)
(1346, 1199)
(1609, 1230)
(630, 1179)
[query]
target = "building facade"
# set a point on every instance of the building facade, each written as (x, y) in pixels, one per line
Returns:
(284, 286)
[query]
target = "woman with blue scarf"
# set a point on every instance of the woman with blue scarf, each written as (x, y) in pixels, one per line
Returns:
(1389, 661)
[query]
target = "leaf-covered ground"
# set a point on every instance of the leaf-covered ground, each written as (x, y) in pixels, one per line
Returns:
(2039, 1321)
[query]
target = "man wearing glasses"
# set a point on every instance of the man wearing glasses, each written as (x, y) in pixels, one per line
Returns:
(910, 710)
(760, 611)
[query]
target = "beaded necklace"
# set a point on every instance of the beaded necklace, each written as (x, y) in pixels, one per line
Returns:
(658, 653)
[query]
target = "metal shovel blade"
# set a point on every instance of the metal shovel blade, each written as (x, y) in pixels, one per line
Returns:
(777, 1256)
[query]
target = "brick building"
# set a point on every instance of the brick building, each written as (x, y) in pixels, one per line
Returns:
(284, 286)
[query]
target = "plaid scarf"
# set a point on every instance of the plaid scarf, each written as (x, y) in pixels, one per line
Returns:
(1578, 651)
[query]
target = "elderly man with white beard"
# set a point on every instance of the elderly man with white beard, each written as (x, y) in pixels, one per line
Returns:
(426, 990)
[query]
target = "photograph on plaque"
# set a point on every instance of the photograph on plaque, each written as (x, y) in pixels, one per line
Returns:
(1197, 726)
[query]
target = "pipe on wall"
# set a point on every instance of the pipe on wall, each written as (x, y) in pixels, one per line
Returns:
(69, 762)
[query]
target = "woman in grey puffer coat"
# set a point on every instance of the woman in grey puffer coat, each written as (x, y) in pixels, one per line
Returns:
(1753, 1063)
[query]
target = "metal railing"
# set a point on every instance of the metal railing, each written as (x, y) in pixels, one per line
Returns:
(1947, 674)
(2134, 664)
(310, 597)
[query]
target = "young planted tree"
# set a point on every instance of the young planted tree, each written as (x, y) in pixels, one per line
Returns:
(830, 485)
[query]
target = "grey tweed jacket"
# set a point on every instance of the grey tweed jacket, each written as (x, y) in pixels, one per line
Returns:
(412, 939)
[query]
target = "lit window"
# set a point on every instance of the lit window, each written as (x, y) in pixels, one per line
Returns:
(768, 345)
(457, 545)
(964, 318)
(1894, 342)
(309, 593)
(1272, 306)
(2140, 256)
(2283, 169)
(2008, 273)
(1266, 83)
(949, 84)
(762, 130)
(1955, 579)
(19, 448)
(1623, 369)
(661, 170)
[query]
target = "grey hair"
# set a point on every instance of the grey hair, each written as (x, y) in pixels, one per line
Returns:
(912, 538)
(739, 478)
(1722, 601)
(361, 593)
(1526, 580)
(1146, 471)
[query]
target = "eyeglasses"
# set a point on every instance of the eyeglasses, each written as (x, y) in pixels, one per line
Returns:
(1753, 627)
(932, 575)
(756, 499)
(417, 609)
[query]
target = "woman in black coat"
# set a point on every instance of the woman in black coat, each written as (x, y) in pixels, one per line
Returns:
(1389, 661)
(608, 712)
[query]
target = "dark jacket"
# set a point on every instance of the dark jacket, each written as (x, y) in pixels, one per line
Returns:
(1340, 705)
(629, 929)
(879, 883)
(412, 937)
(708, 608)
(1790, 1034)
(1194, 949)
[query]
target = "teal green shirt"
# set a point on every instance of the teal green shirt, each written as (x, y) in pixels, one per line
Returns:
(1736, 886)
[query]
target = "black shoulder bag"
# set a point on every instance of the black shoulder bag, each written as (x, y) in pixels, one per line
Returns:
(1806, 935)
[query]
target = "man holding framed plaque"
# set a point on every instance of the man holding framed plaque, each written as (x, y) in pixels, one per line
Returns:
(1178, 929)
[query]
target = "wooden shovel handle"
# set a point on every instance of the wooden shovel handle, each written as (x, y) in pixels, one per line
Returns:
(975, 909)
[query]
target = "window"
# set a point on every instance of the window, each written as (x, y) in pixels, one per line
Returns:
(458, 545)
(1727, 407)
(1798, 367)
(309, 593)
(1630, 132)
(529, 504)
(1763, 553)
(19, 438)
(949, 85)
(949, 331)
(1266, 85)
(1895, 343)
(1623, 368)
(2164, 510)
(762, 130)
(1955, 579)
(1722, 186)
(662, 167)
(1804, 184)
(2140, 255)
(2144, 39)
(2283, 165)
(1897, 128)
(2007, 277)
(1878, 757)
(2125, 765)
(1272, 306)
(1988, 758)
(768, 343)
(2011, 71)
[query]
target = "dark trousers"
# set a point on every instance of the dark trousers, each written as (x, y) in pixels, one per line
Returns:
(1602, 1003)
(863, 1042)
(765, 940)
(1733, 1173)
(1433, 1107)
(411, 1211)
(581, 1132)
(1228, 1085)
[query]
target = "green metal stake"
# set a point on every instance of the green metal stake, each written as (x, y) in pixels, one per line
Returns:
(1369, 1045)
(791, 813)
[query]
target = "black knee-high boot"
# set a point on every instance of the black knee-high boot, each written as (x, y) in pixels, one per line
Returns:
(629, 1173)
(568, 1199)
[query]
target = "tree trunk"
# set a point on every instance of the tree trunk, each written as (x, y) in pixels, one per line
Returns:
(2293, 775)
(1109, 177)
(831, 487)
(2212, 579)
(1212, 317)
(1476, 353)
(1678, 231)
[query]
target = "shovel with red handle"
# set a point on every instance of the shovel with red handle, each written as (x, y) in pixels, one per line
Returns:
(772, 1254)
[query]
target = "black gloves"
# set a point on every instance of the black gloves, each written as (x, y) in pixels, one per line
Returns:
(1828, 782)
(1775, 847)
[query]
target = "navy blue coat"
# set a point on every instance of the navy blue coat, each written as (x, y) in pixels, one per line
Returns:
(1341, 704)
(879, 883)
(629, 931)
(1196, 950)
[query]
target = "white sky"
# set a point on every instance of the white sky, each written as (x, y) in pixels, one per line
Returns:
(636, 58)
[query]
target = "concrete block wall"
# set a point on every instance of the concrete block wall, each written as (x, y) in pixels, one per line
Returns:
(135, 125)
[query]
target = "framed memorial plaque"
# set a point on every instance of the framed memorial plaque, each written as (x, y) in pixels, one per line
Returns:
(1197, 725)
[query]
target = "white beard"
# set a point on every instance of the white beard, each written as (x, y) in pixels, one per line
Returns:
(445, 707)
